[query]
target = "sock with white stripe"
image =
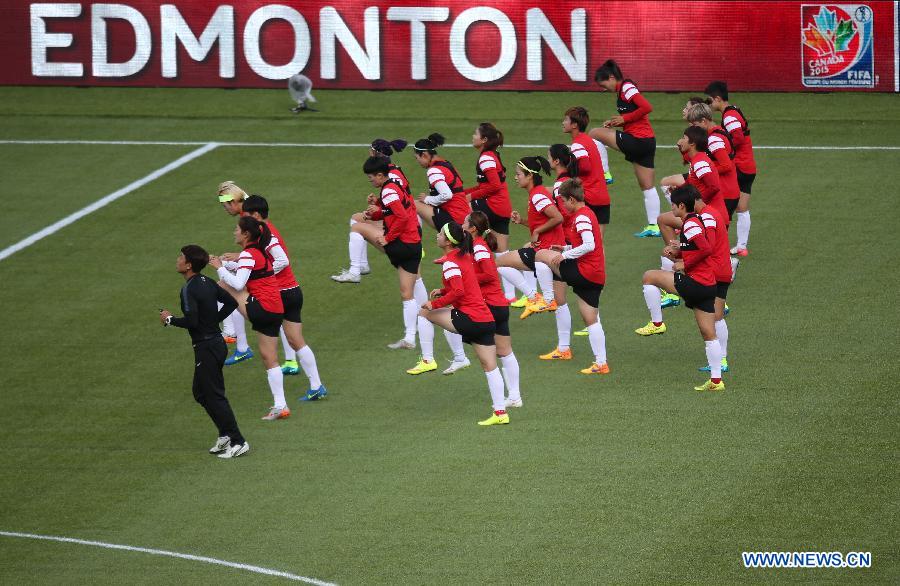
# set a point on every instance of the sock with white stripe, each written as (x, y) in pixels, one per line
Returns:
(420, 293)
(239, 331)
(289, 353)
(563, 327)
(598, 342)
(364, 258)
(426, 338)
(511, 375)
(410, 316)
(651, 204)
(654, 303)
(495, 386)
(604, 155)
(308, 361)
(743, 228)
(666, 264)
(227, 324)
(545, 278)
(714, 358)
(530, 280)
(357, 252)
(722, 335)
(455, 342)
(276, 385)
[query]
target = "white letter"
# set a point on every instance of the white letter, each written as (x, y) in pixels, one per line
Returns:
(142, 40)
(458, 44)
(301, 41)
(418, 43)
(41, 40)
(332, 27)
(220, 27)
(539, 27)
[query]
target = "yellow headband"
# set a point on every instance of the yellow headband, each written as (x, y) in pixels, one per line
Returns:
(446, 231)
(533, 172)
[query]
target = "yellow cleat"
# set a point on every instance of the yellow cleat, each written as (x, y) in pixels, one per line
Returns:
(650, 329)
(520, 302)
(711, 386)
(557, 354)
(581, 332)
(534, 305)
(552, 306)
(423, 366)
(596, 369)
(496, 419)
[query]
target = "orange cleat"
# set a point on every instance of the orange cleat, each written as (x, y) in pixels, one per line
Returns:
(557, 354)
(552, 306)
(596, 369)
(229, 339)
(277, 413)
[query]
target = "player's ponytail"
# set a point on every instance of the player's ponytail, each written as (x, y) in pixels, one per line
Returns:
(387, 147)
(459, 238)
(563, 154)
(492, 135)
(609, 69)
(429, 144)
(259, 234)
(533, 167)
(482, 225)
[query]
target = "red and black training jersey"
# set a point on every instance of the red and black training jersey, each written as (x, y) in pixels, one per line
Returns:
(696, 251)
(262, 283)
(702, 174)
(562, 178)
(285, 276)
(720, 150)
(397, 174)
(461, 289)
(739, 128)
(540, 199)
(491, 177)
(591, 265)
(487, 275)
(590, 169)
(717, 231)
(634, 108)
(399, 214)
(457, 206)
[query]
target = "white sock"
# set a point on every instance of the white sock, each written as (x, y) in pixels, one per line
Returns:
(455, 342)
(511, 375)
(563, 327)
(530, 280)
(654, 303)
(495, 386)
(734, 266)
(357, 252)
(714, 357)
(517, 280)
(410, 316)
(651, 204)
(289, 353)
(545, 278)
(604, 155)
(598, 342)
(666, 264)
(276, 385)
(722, 335)
(308, 362)
(667, 193)
(743, 228)
(227, 324)
(420, 293)
(426, 338)
(239, 331)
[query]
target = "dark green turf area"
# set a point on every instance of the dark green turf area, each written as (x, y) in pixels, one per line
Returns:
(629, 478)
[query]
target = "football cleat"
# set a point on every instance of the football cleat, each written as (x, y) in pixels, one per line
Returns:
(229, 339)
(365, 270)
(277, 413)
(739, 251)
(650, 329)
(496, 418)
(669, 300)
(596, 369)
(422, 366)
(457, 365)
(726, 311)
(235, 451)
(609, 178)
(315, 394)
(222, 444)
(581, 332)
(402, 344)
(345, 277)
(724, 366)
(518, 303)
(514, 402)
(535, 305)
(557, 354)
(711, 386)
(648, 231)
(290, 367)
(239, 357)
(552, 306)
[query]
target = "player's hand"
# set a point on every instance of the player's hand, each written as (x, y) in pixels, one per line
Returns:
(163, 314)
(371, 199)
(421, 197)
(515, 217)
(555, 262)
(535, 238)
(434, 294)
(607, 123)
(426, 307)
(380, 240)
(616, 121)
(371, 210)
(231, 256)
(679, 265)
(215, 262)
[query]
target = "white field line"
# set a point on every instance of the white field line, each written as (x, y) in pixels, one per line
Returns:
(362, 145)
(173, 554)
(74, 217)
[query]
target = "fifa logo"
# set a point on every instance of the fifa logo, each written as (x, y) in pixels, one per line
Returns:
(836, 45)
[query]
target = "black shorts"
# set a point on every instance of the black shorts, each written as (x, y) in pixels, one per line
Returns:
(695, 295)
(292, 299)
(404, 255)
(640, 151)
(473, 332)
(588, 290)
(722, 290)
(501, 319)
(441, 217)
(745, 181)
(498, 224)
(731, 205)
(527, 256)
(262, 321)
(602, 213)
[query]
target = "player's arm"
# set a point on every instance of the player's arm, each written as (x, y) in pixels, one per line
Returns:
(280, 260)
(493, 183)
(710, 181)
(483, 257)
(229, 303)
(554, 218)
(190, 305)
(695, 235)
(587, 240)
(391, 200)
(437, 180)
(584, 159)
(643, 107)
(735, 129)
(454, 288)
(238, 279)
(724, 164)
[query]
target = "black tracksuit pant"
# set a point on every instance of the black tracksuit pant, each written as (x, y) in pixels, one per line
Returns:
(209, 386)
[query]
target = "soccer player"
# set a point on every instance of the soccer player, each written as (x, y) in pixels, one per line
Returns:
(544, 223)
(636, 140)
(295, 346)
(591, 169)
(470, 316)
(721, 152)
(696, 285)
(231, 196)
(582, 266)
(484, 244)
(716, 228)
(446, 201)
(255, 287)
(738, 127)
(204, 305)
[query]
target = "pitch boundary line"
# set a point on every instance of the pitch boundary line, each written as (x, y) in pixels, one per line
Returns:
(173, 554)
(104, 201)
(363, 145)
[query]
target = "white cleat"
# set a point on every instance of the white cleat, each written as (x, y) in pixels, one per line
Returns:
(222, 444)
(345, 277)
(734, 266)
(365, 270)
(235, 451)
(402, 344)
(457, 365)
(513, 402)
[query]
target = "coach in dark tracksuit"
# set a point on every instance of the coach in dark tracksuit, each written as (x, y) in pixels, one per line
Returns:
(201, 318)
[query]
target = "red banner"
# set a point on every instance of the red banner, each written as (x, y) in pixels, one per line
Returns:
(454, 44)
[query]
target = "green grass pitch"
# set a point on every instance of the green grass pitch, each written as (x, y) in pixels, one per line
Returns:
(628, 478)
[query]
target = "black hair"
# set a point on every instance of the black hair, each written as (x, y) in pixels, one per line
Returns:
(563, 154)
(533, 166)
(609, 69)
(698, 100)
(482, 225)
(492, 135)
(461, 236)
(697, 136)
(579, 115)
(429, 144)
(572, 189)
(375, 165)
(256, 203)
(195, 256)
(260, 235)
(388, 147)
(686, 195)
(717, 89)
